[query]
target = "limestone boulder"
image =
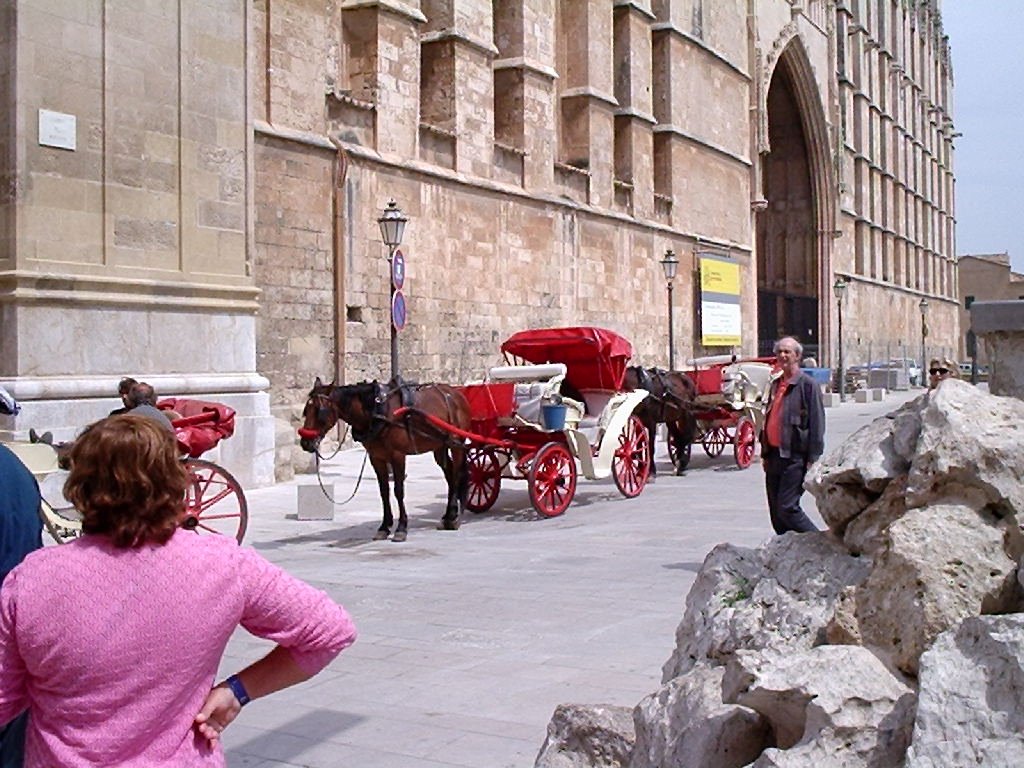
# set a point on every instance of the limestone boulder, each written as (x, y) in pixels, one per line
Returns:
(969, 704)
(866, 533)
(829, 705)
(971, 438)
(941, 564)
(686, 723)
(588, 737)
(854, 475)
(780, 595)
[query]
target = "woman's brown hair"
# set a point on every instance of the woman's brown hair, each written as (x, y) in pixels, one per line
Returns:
(127, 481)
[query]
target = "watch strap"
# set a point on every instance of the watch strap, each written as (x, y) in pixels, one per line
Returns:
(235, 684)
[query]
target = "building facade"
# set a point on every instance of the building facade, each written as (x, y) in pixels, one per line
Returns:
(984, 277)
(214, 227)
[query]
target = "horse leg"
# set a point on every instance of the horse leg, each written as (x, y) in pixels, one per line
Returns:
(380, 469)
(651, 424)
(444, 462)
(398, 471)
(454, 467)
(682, 437)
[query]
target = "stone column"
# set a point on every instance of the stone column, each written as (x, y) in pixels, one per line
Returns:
(634, 119)
(587, 96)
(388, 65)
(1000, 325)
(524, 83)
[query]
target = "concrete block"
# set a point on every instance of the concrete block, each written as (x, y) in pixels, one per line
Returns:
(313, 504)
(878, 394)
(862, 396)
(830, 399)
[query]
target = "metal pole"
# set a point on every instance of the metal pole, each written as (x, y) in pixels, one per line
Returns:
(924, 361)
(391, 319)
(842, 371)
(671, 342)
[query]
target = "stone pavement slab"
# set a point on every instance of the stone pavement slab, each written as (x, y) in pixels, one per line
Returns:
(469, 639)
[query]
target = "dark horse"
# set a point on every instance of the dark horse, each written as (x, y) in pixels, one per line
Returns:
(670, 403)
(393, 423)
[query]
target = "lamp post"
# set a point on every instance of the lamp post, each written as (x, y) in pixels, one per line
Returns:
(670, 264)
(392, 227)
(839, 289)
(923, 306)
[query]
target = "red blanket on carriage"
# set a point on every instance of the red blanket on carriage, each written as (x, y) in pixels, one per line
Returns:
(201, 424)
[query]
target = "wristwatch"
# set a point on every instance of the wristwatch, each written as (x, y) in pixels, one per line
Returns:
(238, 689)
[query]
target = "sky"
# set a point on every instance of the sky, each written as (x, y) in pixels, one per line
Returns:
(986, 39)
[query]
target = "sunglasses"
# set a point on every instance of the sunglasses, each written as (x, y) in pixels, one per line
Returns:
(938, 371)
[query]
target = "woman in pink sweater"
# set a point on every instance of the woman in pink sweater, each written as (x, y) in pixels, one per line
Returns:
(112, 642)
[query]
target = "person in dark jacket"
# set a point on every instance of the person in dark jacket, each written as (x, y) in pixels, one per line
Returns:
(793, 438)
(21, 532)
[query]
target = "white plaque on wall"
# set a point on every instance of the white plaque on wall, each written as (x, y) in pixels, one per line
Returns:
(57, 129)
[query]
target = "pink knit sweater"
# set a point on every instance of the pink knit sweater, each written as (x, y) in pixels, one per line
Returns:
(114, 650)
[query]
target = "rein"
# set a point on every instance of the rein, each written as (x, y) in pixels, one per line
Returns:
(320, 480)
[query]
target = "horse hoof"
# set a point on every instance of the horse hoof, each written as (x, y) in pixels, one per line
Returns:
(444, 525)
(380, 535)
(399, 536)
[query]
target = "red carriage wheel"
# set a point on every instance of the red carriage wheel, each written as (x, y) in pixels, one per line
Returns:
(714, 440)
(680, 459)
(483, 479)
(214, 501)
(552, 479)
(631, 463)
(745, 442)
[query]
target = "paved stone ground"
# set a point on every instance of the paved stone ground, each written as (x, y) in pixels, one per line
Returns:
(468, 640)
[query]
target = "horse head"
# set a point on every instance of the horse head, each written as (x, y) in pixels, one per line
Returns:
(318, 415)
(355, 404)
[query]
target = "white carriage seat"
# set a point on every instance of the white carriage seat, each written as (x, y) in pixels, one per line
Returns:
(597, 401)
(747, 382)
(40, 458)
(536, 385)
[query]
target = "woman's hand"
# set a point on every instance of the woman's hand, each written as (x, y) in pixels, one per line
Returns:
(218, 711)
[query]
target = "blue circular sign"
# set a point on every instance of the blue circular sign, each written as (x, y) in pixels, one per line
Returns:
(398, 270)
(399, 313)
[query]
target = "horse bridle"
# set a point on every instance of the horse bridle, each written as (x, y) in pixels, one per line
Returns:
(321, 401)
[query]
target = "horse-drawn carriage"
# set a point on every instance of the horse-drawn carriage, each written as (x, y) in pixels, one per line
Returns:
(214, 500)
(482, 432)
(559, 403)
(729, 407)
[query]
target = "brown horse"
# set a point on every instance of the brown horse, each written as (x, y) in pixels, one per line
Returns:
(393, 423)
(670, 403)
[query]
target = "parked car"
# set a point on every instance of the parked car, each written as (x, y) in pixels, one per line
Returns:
(911, 367)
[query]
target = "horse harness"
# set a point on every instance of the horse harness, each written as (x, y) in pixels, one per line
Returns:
(647, 377)
(408, 396)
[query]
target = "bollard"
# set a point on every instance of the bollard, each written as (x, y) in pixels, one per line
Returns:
(312, 504)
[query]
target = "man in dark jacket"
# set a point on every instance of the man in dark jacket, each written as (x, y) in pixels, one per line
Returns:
(21, 532)
(793, 438)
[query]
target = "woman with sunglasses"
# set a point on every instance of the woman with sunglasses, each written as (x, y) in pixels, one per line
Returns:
(940, 370)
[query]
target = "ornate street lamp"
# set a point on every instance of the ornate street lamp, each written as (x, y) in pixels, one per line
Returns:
(392, 227)
(670, 264)
(839, 289)
(923, 306)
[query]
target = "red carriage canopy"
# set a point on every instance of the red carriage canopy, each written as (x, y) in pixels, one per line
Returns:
(202, 425)
(596, 358)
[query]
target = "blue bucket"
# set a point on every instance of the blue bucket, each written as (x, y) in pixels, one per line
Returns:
(553, 416)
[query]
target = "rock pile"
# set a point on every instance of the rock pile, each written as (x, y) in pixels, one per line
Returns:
(895, 638)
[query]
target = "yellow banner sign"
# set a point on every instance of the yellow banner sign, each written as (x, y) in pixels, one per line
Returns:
(718, 276)
(720, 302)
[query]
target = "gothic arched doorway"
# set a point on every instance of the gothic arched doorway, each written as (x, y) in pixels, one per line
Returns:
(787, 230)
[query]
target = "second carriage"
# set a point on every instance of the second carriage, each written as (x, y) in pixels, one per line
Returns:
(557, 404)
(214, 500)
(729, 406)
